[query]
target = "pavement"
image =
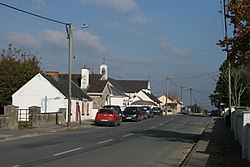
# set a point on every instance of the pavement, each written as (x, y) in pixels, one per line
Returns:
(7, 134)
(215, 148)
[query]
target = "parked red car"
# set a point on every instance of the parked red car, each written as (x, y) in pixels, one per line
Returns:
(108, 116)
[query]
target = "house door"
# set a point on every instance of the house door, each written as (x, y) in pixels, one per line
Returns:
(77, 111)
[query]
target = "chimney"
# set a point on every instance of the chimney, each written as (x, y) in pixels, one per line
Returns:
(54, 74)
(85, 77)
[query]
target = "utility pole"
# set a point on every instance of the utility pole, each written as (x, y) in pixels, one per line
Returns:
(166, 104)
(181, 92)
(190, 98)
(196, 107)
(69, 33)
(69, 71)
(229, 65)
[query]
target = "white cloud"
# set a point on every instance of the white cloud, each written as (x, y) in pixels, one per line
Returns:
(120, 5)
(53, 40)
(86, 40)
(56, 41)
(169, 47)
(23, 39)
(125, 6)
(140, 19)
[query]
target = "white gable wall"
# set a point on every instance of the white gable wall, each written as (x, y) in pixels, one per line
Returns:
(121, 101)
(142, 96)
(39, 92)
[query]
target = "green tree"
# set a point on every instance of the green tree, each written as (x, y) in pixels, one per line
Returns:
(240, 84)
(16, 68)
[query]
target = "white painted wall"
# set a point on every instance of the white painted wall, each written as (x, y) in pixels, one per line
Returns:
(39, 92)
(121, 101)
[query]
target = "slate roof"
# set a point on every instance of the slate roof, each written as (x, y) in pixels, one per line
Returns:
(152, 97)
(96, 85)
(62, 85)
(132, 86)
(120, 87)
(116, 88)
(75, 78)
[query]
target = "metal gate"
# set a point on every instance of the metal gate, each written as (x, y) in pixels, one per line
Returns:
(24, 115)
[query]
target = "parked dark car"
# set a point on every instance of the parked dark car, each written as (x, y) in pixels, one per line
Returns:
(116, 107)
(213, 113)
(148, 111)
(108, 116)
(133, 114)
(157, 111)
(185, 110)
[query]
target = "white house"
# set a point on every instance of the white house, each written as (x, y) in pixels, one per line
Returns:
(50, 92)
(144, 97)
(174, 106)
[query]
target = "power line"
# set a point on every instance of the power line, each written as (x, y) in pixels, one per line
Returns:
(198, 76)
(33, 14)
(196, 90)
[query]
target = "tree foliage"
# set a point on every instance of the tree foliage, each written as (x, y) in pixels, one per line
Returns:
(238, 56)
(240, 84)
(239, 44)
(16, 68)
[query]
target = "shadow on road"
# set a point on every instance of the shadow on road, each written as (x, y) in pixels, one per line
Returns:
(171, 136)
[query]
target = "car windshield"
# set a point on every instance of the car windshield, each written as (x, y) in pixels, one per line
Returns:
(105, 111)
(155, 109)
(117, 108)
(130, 110)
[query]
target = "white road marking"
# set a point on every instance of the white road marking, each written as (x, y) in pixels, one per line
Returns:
(152, 127)
(68, 151)
(105, 141)
(166, 121)
(161, 124)
(130, 134)
(16, 165)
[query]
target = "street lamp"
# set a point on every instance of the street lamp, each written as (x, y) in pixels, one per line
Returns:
(69, 33)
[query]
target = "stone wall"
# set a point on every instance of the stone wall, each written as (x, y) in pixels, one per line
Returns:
(10, 118)
(44, 119)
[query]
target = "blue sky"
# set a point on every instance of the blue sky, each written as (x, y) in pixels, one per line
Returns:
(139, 39)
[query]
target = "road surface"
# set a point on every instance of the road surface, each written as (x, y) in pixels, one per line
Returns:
(159, 141)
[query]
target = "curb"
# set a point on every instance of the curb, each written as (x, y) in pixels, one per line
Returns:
(41, 132)
(186, 159)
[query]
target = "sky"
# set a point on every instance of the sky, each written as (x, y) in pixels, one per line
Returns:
(137, 39)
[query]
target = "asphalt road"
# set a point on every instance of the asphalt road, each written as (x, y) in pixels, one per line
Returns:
(155, 142)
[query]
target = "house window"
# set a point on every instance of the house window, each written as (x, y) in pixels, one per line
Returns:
(87, 108)
(83, 108)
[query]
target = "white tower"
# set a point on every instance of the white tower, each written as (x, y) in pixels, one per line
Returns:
(104, 71)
